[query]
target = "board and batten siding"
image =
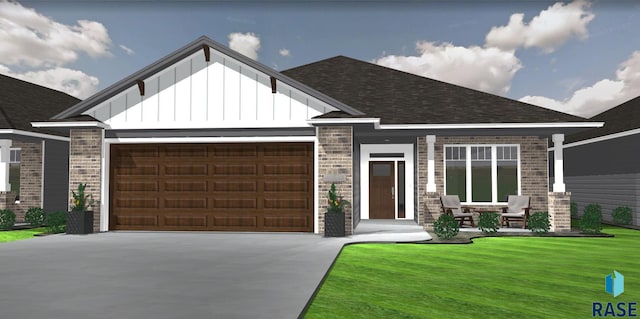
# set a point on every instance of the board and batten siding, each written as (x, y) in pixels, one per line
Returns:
(221, 93)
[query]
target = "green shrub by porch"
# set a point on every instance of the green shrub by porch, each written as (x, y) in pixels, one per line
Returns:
(539, 223)
(446, 227)
(56, 222)
(591, 221)
(574, 209)
(35, 216)
(489, 223)
(7, 219)
(622, 215)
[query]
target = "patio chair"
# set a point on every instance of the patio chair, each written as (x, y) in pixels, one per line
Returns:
(517, 210)
(451, 205)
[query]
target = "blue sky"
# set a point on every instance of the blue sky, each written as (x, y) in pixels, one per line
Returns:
(579, 57)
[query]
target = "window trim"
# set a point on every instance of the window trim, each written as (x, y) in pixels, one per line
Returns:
(494, 171)
(15, 149)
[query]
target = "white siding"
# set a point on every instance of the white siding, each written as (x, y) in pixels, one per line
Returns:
(219, 94)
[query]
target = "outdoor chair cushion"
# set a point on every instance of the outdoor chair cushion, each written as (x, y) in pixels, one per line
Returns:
(516, 206)
(453, 202)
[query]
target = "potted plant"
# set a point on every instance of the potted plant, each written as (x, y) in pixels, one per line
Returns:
(80, 218)
(334, 218)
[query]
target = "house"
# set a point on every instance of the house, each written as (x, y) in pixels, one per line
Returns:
(33, 161)
(208, 139)
(602, 164)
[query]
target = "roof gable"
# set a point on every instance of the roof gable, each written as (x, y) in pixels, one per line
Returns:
(23, 102)
(398, 97)
(186, 53)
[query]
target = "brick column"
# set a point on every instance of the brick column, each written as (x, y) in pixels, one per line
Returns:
(335, 156)
(560, 212)
(30, 177)
(85, 158)
(432, 210)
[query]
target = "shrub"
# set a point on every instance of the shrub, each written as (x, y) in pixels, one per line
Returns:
(488, 222)
(7, 219)
(446, 227)
(539, 223)
(574, 209)
(35, 216)
(622, 215)
(591, 219)
(56, 222)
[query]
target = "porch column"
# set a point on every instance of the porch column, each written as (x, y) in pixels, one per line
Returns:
(5, 153)
(558, 164)
(431, 164)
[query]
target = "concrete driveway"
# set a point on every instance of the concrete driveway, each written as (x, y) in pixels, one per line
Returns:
(173, 274)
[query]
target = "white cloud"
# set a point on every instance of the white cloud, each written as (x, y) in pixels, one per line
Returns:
(485, 69)
(245, 43)
(127, 50)
(548, 30)
(600, 96)
(284, 52)
(72, 82)
(29, 38)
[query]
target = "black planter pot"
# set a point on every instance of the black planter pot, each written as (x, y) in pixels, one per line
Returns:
(334, 224)
(79, 222)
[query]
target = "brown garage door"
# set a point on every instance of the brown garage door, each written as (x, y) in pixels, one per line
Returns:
(239, 187)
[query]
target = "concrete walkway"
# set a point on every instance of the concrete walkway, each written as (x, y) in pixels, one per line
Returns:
(172, 274)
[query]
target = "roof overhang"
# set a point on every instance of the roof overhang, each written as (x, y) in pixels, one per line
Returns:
(600, 138)
(31, 136)
(66, 126)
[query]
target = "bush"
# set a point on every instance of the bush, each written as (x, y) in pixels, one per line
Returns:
(7, 219)
(622, 215)
(488, 222)
(539, 223)
(591, 219)
(56, 222)
(446, 227)
(35, 216)
(574, 209)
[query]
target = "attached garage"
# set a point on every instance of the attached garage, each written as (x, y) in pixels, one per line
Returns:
(226, 186)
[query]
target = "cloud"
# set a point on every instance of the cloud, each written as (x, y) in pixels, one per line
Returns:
(126, 49)
(72, 82)
(31, 39)
(547, 31)
(245, 43)
(284, 52)
(600, 96)
(485, 69)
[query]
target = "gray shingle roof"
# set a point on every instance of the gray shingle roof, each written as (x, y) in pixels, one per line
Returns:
(23, 102)
(623, 117)
(398, 97)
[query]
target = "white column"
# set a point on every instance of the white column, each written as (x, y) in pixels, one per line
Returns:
(558, 164)
(5, 152)
(431, 164)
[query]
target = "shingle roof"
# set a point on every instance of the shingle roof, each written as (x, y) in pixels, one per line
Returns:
(398, 97)
(23, 102)
(623, 117)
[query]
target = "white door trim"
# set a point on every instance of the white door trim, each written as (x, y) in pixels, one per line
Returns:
(365, 158)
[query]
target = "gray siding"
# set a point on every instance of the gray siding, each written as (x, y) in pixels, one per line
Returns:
(608, 191)
(614, 156)
(56, 176)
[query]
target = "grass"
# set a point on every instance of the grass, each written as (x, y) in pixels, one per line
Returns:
(13, 235)
(497, 277)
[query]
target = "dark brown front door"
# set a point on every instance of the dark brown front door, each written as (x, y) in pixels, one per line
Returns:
(239, 187)
(381, 190)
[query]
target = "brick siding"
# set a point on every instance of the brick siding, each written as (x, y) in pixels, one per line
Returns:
(30, 177)
(85, 156)
(560, 211)
(335, 156)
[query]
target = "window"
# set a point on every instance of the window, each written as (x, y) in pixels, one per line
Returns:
(15, 156)
(482, 173)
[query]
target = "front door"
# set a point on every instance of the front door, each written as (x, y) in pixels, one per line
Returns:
(381, 190)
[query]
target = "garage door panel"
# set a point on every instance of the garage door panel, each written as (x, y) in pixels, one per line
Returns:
(236, 187)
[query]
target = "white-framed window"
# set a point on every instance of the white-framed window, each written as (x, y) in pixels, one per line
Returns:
(15, 157)
(482, 173)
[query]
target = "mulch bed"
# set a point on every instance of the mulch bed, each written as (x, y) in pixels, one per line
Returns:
(467, 237)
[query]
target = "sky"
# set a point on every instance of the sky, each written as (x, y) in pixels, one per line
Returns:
(579, 57)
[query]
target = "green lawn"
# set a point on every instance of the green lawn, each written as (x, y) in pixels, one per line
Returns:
(499, 277)
(13, 235)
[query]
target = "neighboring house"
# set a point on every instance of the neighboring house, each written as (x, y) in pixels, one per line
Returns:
(208, 139)
(34, 165)
(602, 165)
